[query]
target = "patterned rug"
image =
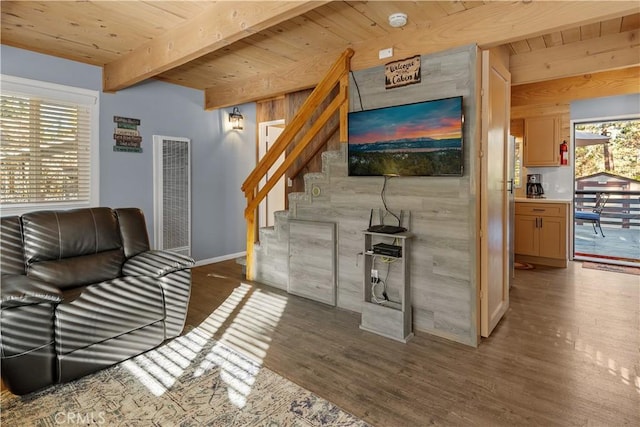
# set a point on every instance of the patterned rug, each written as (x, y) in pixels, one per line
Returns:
(191, 381)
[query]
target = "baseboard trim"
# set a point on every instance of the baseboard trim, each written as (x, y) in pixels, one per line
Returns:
(220, 258)
(549, 262)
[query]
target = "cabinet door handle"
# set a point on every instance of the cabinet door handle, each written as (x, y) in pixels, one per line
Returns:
(540, 222)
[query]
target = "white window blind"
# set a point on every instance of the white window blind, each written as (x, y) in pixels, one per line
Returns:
(46, 151)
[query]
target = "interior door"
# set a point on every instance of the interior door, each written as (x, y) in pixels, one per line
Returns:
(511, 200)
(494, 264)
(269, 133)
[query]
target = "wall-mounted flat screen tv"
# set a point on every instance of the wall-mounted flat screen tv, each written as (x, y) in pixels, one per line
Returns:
(420, 139)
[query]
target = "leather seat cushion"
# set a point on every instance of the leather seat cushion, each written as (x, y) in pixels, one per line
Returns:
(107, 310)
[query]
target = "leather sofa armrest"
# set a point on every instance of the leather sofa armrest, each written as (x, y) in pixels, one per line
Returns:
(20, 290)
(156, 264)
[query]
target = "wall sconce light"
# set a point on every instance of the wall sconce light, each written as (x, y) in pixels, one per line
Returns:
(235, 118)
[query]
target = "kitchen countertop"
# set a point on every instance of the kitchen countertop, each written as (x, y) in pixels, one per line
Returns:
(527, 200)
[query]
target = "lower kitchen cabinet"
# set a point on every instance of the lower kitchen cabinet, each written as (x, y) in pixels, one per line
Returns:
(541, 233)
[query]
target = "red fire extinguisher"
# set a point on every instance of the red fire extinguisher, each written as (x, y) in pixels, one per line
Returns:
(564, 153)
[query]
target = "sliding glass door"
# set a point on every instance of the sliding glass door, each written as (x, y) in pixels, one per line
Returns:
(607, 191)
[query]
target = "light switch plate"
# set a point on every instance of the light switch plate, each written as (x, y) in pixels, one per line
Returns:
(385, 53)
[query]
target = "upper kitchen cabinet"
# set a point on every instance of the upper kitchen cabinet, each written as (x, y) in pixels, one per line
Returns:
(542, 138)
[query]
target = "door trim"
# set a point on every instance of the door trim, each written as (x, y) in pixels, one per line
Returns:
(261, 151)
(488, 320)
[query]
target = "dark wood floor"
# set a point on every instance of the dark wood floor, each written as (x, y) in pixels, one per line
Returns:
(566, 353)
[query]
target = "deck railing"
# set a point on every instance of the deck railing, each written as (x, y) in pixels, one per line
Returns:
(621, 210)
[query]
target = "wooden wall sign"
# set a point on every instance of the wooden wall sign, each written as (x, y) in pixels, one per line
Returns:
(127, 135)
(403, 72)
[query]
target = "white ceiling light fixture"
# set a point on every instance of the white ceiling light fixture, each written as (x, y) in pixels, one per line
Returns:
(397, 20)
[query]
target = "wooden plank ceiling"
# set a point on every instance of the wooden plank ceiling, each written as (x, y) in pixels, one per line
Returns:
(240, 51)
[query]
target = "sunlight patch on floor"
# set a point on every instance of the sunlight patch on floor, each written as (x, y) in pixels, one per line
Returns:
(250, 316)
(160, 368)
(250, 335)
(612, 366)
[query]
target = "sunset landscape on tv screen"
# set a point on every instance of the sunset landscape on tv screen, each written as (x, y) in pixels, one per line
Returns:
(421, 139)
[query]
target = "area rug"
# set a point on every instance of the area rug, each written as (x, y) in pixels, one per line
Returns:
(176, 386)
(611, 267)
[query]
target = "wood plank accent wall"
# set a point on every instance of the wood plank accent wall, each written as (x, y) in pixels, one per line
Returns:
(312, 260)
(293, 102)
(443, 209)
(269, 110)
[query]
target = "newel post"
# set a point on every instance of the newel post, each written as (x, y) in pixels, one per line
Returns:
(250, 215)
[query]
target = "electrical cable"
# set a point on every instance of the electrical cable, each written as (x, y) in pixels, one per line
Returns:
(353, 77)
(374, 282)
(373, 293)
(384, 200)
(386, 277)
(388, 261)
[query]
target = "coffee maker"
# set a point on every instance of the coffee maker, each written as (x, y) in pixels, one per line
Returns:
(534, 186)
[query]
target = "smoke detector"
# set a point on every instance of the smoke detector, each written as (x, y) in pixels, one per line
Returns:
(398, 20)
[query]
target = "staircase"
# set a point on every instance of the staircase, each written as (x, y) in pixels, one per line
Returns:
(271, 252)
(337, 76)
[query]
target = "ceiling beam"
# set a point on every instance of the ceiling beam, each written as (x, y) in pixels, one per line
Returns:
(607, 83)
(490, 25)
(589, 56)
(217, 26)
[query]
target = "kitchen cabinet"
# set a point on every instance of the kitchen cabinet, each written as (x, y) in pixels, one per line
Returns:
(542, 138)
(541, 233)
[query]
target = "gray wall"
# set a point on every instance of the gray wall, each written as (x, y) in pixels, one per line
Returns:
(610, 106)
(443, 210)
(221, 159)
(443, 258)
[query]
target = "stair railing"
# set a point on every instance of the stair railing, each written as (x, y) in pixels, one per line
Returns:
(293, 175)
(338, 74)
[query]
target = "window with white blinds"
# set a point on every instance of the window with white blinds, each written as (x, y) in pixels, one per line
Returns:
(48, 151)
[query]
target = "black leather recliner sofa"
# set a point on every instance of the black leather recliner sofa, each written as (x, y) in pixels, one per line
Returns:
(80, 291)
